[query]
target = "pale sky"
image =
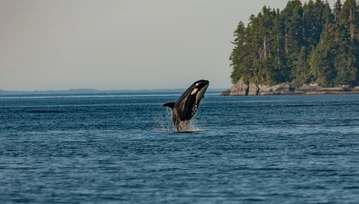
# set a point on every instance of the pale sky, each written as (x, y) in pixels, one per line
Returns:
(119, 44)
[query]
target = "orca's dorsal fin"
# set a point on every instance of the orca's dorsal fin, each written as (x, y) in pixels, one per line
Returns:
(171, 104)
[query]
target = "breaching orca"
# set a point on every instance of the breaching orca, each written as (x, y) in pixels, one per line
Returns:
(187, 105)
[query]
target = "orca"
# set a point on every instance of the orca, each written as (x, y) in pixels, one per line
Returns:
(187, 105)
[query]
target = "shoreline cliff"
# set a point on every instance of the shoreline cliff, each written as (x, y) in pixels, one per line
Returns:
(251, 89)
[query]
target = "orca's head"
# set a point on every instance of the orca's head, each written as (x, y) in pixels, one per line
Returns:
(199, 88)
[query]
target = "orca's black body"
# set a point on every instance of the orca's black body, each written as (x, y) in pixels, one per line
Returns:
(187, 105)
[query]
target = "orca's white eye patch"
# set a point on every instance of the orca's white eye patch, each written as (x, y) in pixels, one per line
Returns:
(194, 91)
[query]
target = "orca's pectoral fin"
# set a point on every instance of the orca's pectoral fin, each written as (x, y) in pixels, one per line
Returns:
(171, 104)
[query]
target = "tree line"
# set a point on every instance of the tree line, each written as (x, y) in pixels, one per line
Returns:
(303, 43)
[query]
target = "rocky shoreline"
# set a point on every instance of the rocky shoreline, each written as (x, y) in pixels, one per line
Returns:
(251, 89)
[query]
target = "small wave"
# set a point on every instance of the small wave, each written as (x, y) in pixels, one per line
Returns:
(190, 131)
(44, 111)
(308, 125)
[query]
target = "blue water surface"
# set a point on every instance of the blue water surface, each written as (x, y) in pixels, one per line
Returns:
(122, 148)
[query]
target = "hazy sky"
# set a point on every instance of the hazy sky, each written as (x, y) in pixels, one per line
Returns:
(119, 44)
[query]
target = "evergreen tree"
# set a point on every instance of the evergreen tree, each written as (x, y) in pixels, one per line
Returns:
(337, 8)
(345, 61)
(293, 33)
(328, 16)
(301, 73)
(321, 59)
(238, 55)
(277, 48)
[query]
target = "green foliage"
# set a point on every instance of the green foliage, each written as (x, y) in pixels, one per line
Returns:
(303, 43)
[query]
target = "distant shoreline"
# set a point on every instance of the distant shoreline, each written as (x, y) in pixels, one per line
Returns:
(95, 91)
(251, 89)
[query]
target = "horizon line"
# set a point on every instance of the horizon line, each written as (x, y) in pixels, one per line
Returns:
(100, 90)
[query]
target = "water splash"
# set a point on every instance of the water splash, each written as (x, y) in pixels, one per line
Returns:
(192, 126)
(165, 124)
(164, 120)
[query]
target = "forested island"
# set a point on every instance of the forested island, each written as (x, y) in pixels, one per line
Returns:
(304, 48)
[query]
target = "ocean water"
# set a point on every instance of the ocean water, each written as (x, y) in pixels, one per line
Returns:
(122, 148)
